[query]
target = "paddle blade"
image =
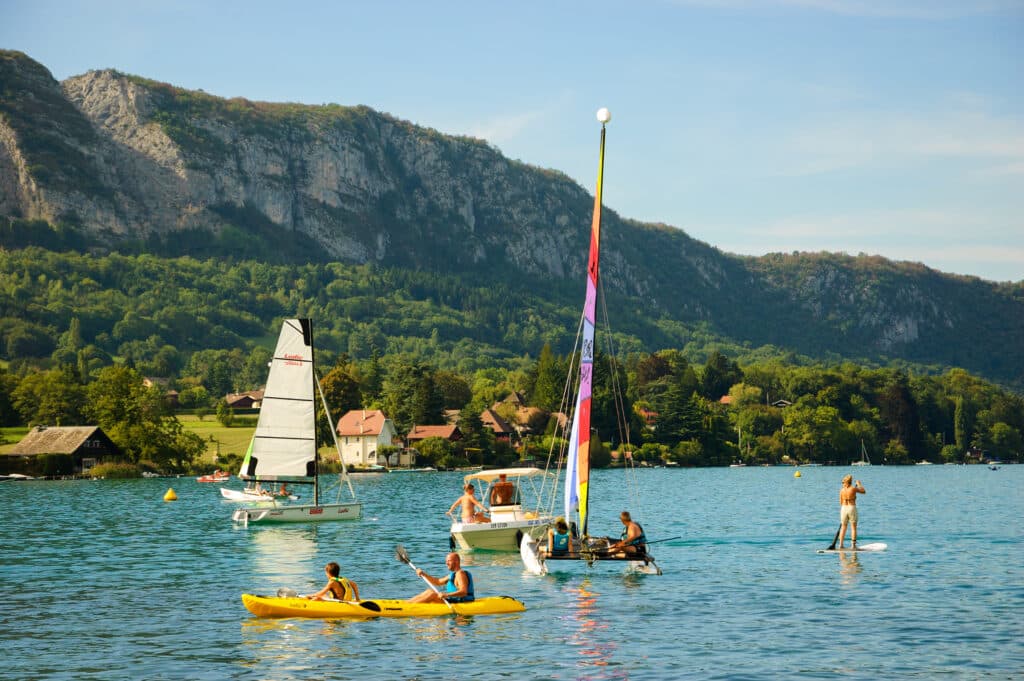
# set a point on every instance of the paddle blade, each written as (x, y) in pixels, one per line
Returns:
(401, 554)
(832, 546)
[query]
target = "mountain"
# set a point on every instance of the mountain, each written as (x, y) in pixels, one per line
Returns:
(125, 163)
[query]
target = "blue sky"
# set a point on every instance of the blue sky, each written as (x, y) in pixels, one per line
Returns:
(888, 127)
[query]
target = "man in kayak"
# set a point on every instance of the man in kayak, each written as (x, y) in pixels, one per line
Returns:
(469, 505)
(633, 541)
(458, 584)
(338, 588)
(848, 509)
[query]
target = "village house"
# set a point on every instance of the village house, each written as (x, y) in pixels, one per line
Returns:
(448, 432)
(362, 433)
(60, 450)
(250, 399)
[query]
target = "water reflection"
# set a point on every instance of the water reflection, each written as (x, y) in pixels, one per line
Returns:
(285, 556)
(849, 567)
(590, 633)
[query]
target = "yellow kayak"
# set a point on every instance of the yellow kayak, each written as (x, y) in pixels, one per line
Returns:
(275, 606)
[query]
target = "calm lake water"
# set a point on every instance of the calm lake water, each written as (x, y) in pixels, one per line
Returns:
(105, 580)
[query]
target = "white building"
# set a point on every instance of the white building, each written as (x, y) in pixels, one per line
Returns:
(362, 433)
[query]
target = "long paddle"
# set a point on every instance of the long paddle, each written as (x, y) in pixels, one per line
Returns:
(403, 555)
(285, 592)
(832, 546)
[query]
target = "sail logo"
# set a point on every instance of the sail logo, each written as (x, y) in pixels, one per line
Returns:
(293, 360)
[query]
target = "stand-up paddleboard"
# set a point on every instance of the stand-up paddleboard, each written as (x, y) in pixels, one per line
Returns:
(877, 546)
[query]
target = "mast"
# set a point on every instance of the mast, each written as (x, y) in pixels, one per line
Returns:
(578, 474)
(307, 338)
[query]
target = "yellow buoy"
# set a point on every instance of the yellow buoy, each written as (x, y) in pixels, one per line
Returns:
(796, 475)
(170, 496)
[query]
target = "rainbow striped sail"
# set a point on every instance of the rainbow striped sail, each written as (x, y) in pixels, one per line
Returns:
(577, 476)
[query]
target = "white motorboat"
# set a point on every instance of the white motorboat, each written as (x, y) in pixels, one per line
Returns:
(508, 523)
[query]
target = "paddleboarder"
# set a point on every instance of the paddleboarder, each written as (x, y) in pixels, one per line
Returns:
(848, 509)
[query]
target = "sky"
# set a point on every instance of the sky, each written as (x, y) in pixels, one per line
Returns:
(882, 127)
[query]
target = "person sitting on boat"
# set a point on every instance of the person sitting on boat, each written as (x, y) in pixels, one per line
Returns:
(559, 539)
(458, 584)
(503, 492)
(338, 588)
(469, 505)
(633, 541)
(282, 491)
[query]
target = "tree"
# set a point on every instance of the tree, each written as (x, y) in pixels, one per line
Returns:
(55, 397)
(718, 376)
(549, 382)
(454, 389)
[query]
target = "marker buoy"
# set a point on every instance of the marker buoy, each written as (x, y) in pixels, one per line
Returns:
(796, 475)
(170, 496)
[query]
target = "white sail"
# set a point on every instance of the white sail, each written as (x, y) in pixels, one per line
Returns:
(284, 444)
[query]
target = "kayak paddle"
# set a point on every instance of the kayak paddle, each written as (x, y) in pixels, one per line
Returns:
(403, 555)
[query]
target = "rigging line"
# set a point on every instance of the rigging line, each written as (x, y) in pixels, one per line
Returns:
(561, 432)
(621, 416)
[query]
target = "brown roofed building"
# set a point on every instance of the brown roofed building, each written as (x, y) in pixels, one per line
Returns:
(447, 432)
(250, 399)
(82, 447)
(502, 429)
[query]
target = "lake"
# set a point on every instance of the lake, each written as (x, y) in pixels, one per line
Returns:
(105, 580)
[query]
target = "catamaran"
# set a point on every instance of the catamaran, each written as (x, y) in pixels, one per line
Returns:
(284, 448)
(577, 456)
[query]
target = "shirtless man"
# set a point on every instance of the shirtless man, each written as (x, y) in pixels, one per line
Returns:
(848, 509)
(633, 541)
(503, 492)
(469, 505)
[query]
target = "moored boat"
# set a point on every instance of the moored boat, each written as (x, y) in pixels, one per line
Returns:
(276, 606)
(219, 476)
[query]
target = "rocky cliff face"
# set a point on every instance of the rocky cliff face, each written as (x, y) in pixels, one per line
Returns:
(121, 157)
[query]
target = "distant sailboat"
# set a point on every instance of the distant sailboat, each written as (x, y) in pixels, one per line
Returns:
(864, 460)
(284, 448)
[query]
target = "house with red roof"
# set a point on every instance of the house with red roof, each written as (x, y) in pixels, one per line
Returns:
(362, 433)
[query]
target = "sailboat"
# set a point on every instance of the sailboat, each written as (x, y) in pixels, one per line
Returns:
(864, 460)
(577, 456)
(284, 448)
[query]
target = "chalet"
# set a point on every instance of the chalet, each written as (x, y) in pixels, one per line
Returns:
(502, 429)
(362, 433)
(60, 450)
(250, 399)
(419, 433)
(781, 404)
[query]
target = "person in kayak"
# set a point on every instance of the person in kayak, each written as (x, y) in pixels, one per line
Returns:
(458, 584)
(338, 588)
(469, 505)
(633, 541)
(848, 509)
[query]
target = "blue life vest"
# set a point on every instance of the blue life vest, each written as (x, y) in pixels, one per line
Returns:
(640, 541)
(451, 588)
(560, 543)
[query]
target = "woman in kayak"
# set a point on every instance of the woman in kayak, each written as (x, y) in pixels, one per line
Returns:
(338, 588)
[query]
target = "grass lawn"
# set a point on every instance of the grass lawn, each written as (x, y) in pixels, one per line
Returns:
(230, 440)
(9, 437)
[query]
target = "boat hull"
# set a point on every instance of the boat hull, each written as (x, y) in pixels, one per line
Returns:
(504, 533)
(298, 513)
(272, 606)
(536, 562)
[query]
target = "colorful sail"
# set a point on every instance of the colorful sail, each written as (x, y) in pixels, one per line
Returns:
(577, 477)
(284, 445)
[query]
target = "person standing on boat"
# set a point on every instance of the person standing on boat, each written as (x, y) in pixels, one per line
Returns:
(633, 541)
(503, 492)
(469, 505)
(338, 588)
(458, 584)
(848, 509)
